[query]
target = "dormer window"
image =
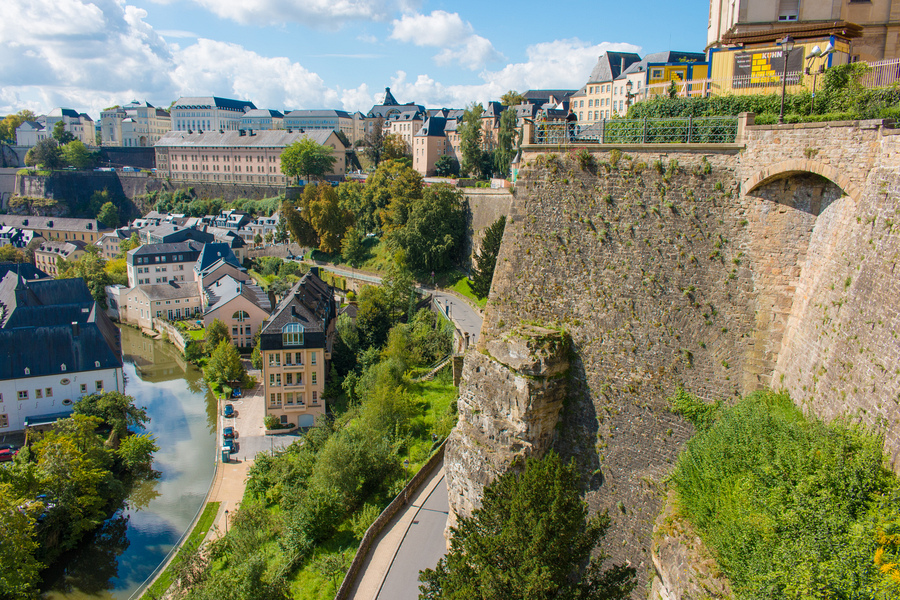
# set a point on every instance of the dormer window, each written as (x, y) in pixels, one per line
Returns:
(292, 334)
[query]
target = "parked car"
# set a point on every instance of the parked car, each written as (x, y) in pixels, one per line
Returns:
(229, 445)
(7, 454)
(229, 410)
(236, 393)
(228, 432)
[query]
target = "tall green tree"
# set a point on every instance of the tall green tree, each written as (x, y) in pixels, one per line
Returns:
(47, 154)
(434, 228)
(225, 365)
(130, 244)
(395, 147)
(373, 318)
(308, 158)
(20, 569)
(470, 139)
(328, 217)
(374, 141)
(507, 139)
(281, 231)
(530, 540)
(216, 332)
(60, 134)
(446, 166)
(109, 215)
(512, 98)
(116, 410)
(391, 190)
(301, 232)
(486, 259)
(76, 154)
(10, 123)
(352, 248)
(92, 268)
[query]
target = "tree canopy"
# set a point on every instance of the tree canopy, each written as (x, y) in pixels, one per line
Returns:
(395, 147)
(506, 142)
(10, 123)
(92, 268)
(432, 233)
(109, 215)
(216, 331)
(512, 98)
(61, 135)
(328, 218)
(308, 158)
(486, 259)
(76, 154)
(374, 141)
(470, 139)
(116, 410)
(225, 365)
(529, 540)
(47, 154)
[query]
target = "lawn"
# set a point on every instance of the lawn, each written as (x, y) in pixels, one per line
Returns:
(464, 287)
(165, 579)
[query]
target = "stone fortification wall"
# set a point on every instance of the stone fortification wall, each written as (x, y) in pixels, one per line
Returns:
(485, 207)
(722, 272)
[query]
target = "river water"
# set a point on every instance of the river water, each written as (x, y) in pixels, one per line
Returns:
(126, 550)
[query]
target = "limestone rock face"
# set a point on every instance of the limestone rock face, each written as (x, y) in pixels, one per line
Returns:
(510, 397)
(684, 567)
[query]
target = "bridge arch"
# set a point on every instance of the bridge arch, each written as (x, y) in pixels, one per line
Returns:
(796, 166)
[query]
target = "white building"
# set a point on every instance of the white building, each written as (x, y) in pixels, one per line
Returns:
(135, 125)
(56, 346)
(209, 113)
(262, 119)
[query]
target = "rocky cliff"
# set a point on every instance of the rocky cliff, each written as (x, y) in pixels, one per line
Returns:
(725, 270)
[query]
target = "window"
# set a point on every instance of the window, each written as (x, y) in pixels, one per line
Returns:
(315, 398)
(284, 419)
(288, 379)
(272, 399)
(4, 421)
(99, 385)
(788, 10)
(48, 392)
(300, 399)
(38, 393)
(23, 394)
(275, 360)
(292, 335)
(234, 331)
(312, 358)
(240, 316)
(313, 375)
(289, 398)
(84, 388)
(277, 379)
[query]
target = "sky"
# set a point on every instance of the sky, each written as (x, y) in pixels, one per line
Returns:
(338, 54)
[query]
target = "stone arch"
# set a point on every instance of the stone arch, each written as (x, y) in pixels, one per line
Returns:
(794, 166)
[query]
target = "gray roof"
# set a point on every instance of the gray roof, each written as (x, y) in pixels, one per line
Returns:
(667, 57)
(227, 288)
(187, 102)
(62, 223)
(62, 248)
(26, 270)
(171, 290)
(309, 303)
(151, 249)
(433, 127)
(64, 112)
(273, 138)
(319, 113)
(214, 252)
(263, 112)
(50, 323)
(609, 66)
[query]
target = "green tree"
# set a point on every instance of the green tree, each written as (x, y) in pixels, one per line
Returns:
(395, 147)
(47, 154)
(60, 134)
(109, 215)
(116, 410)
(374, 141)
(20, 569)
(352, 248)
(433, 232)
(257, 239)
(529, 540)
(281, 231)
(327, 217)
(9, 124)
(446, 166)
(76, 154)
(391, 190)
(512, 98)
(216, 332)
(373, 318)
(486, 259)
(308, 158)
(225, 365)
(302, 233)
(136, 452)
(92, 268)
(9, 253)
(470, 139)
(130, 244)
(506, 142)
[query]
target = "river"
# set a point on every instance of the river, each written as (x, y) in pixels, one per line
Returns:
(126, 550)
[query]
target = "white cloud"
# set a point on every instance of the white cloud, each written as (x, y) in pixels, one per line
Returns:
(367, 38)
(176, 33)
(560, 64)
(209, 67)
(446, 30)
(324, 14)
(359, 98)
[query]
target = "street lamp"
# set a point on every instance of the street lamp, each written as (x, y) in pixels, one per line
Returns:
(226, 521)
(787, 44)
(629, 97)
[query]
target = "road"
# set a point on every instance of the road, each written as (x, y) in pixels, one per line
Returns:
(250, 435)
(466, 318)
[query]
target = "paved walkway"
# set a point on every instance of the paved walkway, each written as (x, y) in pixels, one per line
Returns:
(461, 312)
(411, 541)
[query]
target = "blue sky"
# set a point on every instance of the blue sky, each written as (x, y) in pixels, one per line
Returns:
(290, 54)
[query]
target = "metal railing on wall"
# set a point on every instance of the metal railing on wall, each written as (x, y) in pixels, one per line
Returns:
(688, 130)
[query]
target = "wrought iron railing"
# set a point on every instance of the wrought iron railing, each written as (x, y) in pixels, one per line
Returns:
(688, 130)
(882, 73)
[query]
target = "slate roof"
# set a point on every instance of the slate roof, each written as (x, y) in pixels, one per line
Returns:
(212, 253)
(187, 102)
(61, 223)
(667, 57)
(171, 290)
(175, 247)
(310, 303)
(389, 99)
(64, 112)
(535, 96)
(263, 112)
(319, 113)
(228, 288)
(433, 126)
(26, 270)
(53, 322)
(609, 66)
(270, 138)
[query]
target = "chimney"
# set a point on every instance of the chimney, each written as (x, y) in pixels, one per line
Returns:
(75, 329)
(294, 311)
(314, 271)
(622, 66)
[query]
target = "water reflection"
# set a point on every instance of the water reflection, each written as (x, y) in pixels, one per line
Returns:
(182, 418)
